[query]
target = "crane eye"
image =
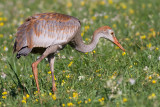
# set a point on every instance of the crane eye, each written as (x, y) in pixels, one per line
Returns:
(112, 33)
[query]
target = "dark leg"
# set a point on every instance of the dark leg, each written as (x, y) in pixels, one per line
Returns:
(51, 62)
(49, 50)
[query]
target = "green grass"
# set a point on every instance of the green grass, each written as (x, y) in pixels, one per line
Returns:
(95, 79)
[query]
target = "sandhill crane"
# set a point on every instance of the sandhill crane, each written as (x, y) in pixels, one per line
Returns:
(48, 33)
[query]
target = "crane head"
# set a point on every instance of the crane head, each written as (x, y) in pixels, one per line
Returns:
(109, 34)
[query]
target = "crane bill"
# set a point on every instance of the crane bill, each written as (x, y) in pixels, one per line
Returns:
(118, 44)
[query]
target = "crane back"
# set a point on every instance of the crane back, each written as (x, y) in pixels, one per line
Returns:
(46, 29)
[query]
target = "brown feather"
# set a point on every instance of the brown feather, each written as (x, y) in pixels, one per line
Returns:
(44, 23)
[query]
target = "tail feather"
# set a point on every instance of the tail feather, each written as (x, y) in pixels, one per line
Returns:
(23, 52)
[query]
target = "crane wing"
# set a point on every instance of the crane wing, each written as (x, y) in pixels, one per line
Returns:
(46, 29)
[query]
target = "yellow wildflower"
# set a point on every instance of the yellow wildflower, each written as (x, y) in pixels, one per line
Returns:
(106, 17)
(149, 45)
(137, 33)
(10, 36)
(69, 104)
(154, 81)
(27, 95)
(110, 1)
(1, 35)
(4, 97)
(69, 4)
(1, 18)
(97, 70)
(37, 100)
(152, 96)
(86, 39)
(75, 95)
(63, 82)
(5, 66)
(130, 66)
(21, 22)
(4, 93)
(127, 39)
(55, 78)
(114, 25)
(0, 103)
(63, 105)
(35, 92)
(89, 100)
(150, 77)
(67, 76)
(94, 51)
(24, 98)
(86, 28)
(116, 47)
(131, 11)
(1, 24)
(124, 100)
(102, 2)
(31, 76)
(149, 5)
(123, 5)
(70, 63)
(124, 53)
(154, 33)
(49, 72)
(86, 102)
(79, 102)
(99, 100)
(4, 19)
(5, 48)
(54, 96)
(82, 3)
(50, 93)
(93, 18)
(102, 98)
(143, 37)
(82, 34)
(99, 75)
(157, 49)
(23, 101)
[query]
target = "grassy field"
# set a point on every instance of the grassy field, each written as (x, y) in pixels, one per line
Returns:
(105, 77)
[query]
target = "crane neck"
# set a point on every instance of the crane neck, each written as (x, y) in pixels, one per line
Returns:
(82, 47)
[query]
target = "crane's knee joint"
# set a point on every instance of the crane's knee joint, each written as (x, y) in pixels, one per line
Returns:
(34, 65)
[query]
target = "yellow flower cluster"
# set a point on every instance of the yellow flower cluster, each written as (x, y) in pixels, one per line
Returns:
(124, 53)
(75, 95)
(25, 98)
(70, 63)
(69, 104)
(152, 96)
(101, 100)
(2, 19)
(4, 95)
(123, 5)
(54, 96)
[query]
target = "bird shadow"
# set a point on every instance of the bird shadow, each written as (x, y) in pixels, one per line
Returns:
(18, 83)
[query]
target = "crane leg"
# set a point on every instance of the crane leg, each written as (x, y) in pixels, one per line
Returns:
(51, 62)
(49, 50)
